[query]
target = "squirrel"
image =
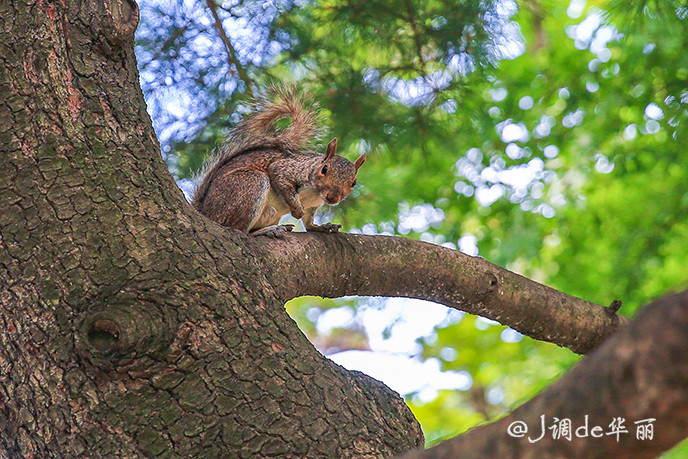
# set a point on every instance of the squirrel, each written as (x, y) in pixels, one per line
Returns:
(261, 173)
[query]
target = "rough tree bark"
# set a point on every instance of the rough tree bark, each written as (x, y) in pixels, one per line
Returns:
(133, 327)
(130, 325)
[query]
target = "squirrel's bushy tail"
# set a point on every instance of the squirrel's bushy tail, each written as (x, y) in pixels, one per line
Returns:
(258, 130)
(278, 103)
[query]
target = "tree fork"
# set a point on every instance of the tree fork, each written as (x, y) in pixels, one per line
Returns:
(132, 326)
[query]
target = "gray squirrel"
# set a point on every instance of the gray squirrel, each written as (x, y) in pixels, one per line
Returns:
(261, 173)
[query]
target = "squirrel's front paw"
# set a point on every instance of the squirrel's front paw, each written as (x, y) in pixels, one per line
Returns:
(326, 228)
(273, 231)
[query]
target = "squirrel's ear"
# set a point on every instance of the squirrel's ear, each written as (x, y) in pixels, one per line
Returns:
(331, 150)
(361, 159)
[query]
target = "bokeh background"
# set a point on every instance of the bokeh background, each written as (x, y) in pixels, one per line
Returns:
(546, 136)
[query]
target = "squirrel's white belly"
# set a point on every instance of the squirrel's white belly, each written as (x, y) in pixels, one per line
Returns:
(276, 207)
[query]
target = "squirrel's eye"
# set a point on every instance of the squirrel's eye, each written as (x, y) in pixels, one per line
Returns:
(353, 184)
(324, 169)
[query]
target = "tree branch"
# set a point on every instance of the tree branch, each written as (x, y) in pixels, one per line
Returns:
(345, 264)
(638, 374)
(538, 17)
(231, 52)
(416, 36)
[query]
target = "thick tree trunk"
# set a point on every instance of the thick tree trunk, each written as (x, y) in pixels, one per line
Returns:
(130, 325)
(133, 327)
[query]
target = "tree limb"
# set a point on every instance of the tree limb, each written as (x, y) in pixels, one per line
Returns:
(638, 374)
(345, 264)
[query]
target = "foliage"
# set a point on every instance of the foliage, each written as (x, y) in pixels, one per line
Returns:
(545, 136)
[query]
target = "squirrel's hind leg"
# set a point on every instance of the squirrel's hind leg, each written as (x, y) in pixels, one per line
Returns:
(237, 198)
(277, 231)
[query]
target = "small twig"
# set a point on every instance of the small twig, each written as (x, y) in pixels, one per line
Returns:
(538, 16)
(613, 308)
(231, 52)
(418, 43)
